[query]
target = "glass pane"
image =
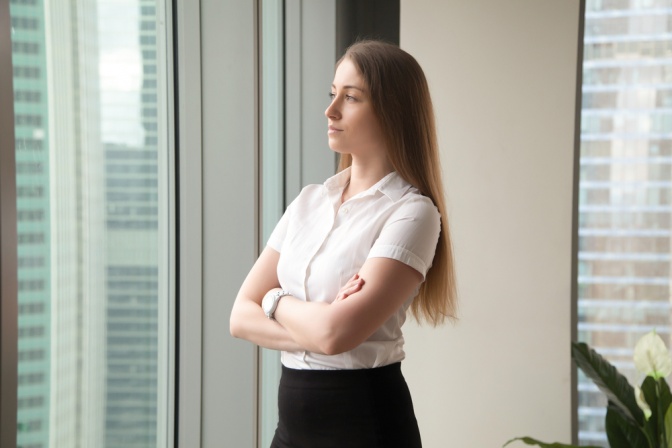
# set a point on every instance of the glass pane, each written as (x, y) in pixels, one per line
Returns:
(625, 189)
(272, 198)
(92, 156)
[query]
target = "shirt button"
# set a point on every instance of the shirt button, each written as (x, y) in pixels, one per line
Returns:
(346, 210)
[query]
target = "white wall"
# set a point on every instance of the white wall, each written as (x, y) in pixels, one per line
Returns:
(503, 79)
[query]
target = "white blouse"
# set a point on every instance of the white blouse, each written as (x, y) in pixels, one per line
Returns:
(323, 243)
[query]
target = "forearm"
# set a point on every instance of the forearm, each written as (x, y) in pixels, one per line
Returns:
(347, 322)
(249, 322)
(307, 323)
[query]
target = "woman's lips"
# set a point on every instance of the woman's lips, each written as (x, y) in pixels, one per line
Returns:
(333, 130)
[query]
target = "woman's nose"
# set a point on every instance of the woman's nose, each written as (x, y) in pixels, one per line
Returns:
(332, 110)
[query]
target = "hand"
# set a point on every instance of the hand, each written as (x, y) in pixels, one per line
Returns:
(352, 286)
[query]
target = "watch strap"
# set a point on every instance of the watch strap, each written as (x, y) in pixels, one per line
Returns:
(274, 304)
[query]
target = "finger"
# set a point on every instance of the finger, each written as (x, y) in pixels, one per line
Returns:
(353, 288)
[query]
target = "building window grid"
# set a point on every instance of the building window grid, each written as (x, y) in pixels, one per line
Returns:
(625, 200)
(138, 185)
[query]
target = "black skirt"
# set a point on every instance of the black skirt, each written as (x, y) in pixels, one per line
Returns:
(365, 408)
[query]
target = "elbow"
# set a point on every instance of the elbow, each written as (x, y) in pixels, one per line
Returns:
(235, 332)
(335, 342)
(332, 348)
(235, 327)
(327, 347)
(336, 346)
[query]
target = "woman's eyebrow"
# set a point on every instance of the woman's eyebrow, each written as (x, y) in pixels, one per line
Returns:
(350, 87)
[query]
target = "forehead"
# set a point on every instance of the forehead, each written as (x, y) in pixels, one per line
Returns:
(347, 74)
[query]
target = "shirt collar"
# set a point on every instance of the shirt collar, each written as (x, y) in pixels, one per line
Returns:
(339, 180)
(392, 185)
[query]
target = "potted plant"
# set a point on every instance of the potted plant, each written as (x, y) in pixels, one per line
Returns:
(636, 417)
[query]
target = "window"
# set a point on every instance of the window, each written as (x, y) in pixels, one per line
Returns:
(25, 23)
(27, 72)
(30, 215)
(28, 144)
(31, 238)
(30, 262)
(31, 355)
(272, 186)
(31, 378)
(31, 308)
(29, 167)
(626, 179)
(27, 96)
(94, 230)
(25, 47)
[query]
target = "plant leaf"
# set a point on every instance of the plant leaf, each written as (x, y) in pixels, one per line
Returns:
(623, 433)
(531, 441)
(605, 376)
(664, 402)
(658, 396)
(652, 425)
(668, 426)
(665, 394)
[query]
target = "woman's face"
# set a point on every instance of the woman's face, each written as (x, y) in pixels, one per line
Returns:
(353, 125)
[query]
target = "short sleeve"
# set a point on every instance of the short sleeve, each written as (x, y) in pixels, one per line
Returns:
(410, 235)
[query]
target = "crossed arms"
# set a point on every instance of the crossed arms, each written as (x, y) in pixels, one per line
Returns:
(360, 308)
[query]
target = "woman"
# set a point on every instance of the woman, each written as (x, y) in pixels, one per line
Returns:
(348, 258)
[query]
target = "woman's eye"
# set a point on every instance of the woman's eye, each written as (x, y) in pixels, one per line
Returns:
(350, 98)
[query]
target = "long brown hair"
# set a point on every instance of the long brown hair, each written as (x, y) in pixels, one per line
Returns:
(402, 103)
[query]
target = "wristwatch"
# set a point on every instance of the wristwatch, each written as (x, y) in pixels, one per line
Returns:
(270, 301)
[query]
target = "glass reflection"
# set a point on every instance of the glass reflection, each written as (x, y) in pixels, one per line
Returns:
(625, 185)
(91, 150)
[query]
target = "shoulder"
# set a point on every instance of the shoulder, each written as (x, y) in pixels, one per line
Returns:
(314, 194)
(414, 205)
(405, 198)
(413, 218)
(308, 195)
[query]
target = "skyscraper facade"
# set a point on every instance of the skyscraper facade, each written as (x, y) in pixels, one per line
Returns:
(625, 188)
(133, 280)
(92, 183)
(34, 256)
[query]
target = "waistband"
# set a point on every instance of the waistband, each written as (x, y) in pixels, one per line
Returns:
(322, 378)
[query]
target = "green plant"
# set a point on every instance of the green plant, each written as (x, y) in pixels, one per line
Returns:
(636, 417)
